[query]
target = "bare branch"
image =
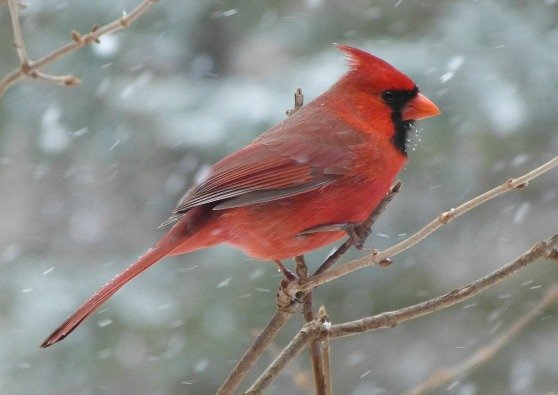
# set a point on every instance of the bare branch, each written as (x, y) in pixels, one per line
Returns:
(298, 102)
(320, 329)
(298, 373)
(309, 331)
(326, 359)
(32, 68)
(285, 309)
(315, 346)
(390, 319)
(63, 80)
(18, 37)
(488, 352)
(380, 256)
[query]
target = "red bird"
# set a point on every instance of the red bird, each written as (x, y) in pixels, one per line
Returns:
(324, 168)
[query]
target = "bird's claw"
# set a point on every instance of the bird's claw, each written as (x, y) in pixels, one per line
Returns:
(358, 233)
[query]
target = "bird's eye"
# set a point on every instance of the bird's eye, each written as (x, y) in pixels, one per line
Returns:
(389, 97)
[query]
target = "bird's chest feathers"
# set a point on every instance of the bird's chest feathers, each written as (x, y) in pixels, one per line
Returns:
(377, 162)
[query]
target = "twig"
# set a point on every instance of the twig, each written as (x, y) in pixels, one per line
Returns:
(380, 256)
(308, 332)
(301, 376)
(32, 68)
(298, 288)
(488, 352)
(391, 319)
(320, 329)
(314, 347)
(298, 102)
(18, 37)
(326, 358)
(257, 348)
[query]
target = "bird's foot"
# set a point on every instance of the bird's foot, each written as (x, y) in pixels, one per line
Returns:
(358, 233)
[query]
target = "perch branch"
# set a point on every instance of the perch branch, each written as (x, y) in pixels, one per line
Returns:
(543, 249)
(257, 348)
(381, 256)
(32, 69)
(318, 329)
(309, 331)
(488, 352)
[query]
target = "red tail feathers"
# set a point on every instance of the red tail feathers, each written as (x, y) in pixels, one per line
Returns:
(182, 236)
(151, 257)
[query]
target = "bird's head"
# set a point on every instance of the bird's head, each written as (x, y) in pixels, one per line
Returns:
(387, 89)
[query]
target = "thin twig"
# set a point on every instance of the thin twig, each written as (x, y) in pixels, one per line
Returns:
(298, 102)
(308, 332)
(255, 351)
(326, 357)
(32, 68)
(18, 37)
(380, 256)
(62, 80)
(488, 352)
(301, 377)
(320, 329)
(314, 348)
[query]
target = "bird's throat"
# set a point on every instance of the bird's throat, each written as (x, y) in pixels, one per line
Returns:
(401, 131)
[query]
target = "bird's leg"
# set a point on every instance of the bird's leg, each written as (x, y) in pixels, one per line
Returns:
(289, 276)
(358, 232)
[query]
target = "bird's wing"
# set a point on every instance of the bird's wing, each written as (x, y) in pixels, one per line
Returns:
(270, 169)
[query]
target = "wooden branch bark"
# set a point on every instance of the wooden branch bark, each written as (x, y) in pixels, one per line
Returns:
(326, 351)
(315, 347)
(543, 249)
(320, 329)
(269, 333)
(28, 68)
(309, 332)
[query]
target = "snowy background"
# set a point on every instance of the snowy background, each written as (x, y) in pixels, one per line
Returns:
(87, 174)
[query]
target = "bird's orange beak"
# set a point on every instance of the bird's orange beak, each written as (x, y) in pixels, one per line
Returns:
(419, 108)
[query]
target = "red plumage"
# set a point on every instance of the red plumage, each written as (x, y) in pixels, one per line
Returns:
(331, 162)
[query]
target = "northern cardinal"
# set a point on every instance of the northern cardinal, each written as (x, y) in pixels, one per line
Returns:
(301, 184)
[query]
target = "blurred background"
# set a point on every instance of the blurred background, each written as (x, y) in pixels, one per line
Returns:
(88, 173)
